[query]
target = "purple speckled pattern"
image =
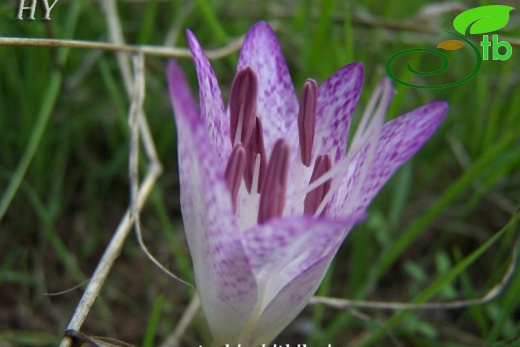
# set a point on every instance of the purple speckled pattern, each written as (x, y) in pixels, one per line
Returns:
(225, 282)
(281, 247)
(290, 256)
(211, 104)
(277, 102)
(253, 282)
(337, 99)
(291, 300)
(351, 179)
(399, 140)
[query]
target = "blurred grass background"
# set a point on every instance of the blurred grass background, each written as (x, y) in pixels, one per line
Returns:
(64, 146)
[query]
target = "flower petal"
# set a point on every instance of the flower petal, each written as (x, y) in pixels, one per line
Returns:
(211, 104)
(399, 140)
(277, 103)
(290, 257)
(337, 99)
(360, 156)
(281, 250)
(291, 300)
(225, 283)
(180, 94)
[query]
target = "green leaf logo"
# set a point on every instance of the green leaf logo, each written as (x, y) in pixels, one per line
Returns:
(483, 19)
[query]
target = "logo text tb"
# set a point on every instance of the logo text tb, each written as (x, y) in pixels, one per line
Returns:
(495, 45)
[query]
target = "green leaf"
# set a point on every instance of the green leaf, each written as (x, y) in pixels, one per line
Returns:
(483, 19)
(451, 45)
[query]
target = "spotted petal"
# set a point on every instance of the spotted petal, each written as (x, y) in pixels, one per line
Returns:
(225, 282)
(287, 250)
(337, 99)
(277, 103)
(291, 300)
(211, 104)
(399, 140)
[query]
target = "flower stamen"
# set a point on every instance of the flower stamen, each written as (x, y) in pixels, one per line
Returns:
(272, 197)
(256, 171)
(235, 171)
(314, 198)
(242, 105)
(255, 148)
(307, 119)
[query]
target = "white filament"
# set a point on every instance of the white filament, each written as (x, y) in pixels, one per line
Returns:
(247, 210)
(368, 133)
(256, 174)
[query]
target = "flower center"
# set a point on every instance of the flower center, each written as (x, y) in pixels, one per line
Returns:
(248, 160)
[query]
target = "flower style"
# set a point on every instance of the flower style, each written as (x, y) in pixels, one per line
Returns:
(268, 191)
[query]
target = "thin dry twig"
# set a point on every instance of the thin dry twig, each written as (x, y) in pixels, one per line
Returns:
(109, 256)
(114, 248)
(172, 52)
(136, 90)
(492, 294)
(115, 33)
(67, 290)
(136, 117)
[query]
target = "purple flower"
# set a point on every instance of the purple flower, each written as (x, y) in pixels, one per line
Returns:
(268, 191)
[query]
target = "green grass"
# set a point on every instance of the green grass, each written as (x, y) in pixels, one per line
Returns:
(443, 228)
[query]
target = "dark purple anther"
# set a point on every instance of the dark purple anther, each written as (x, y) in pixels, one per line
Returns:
(314, 198)
(272, 198)
(242, 105)
(255, 147)
(235, 171)
(307, 119)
